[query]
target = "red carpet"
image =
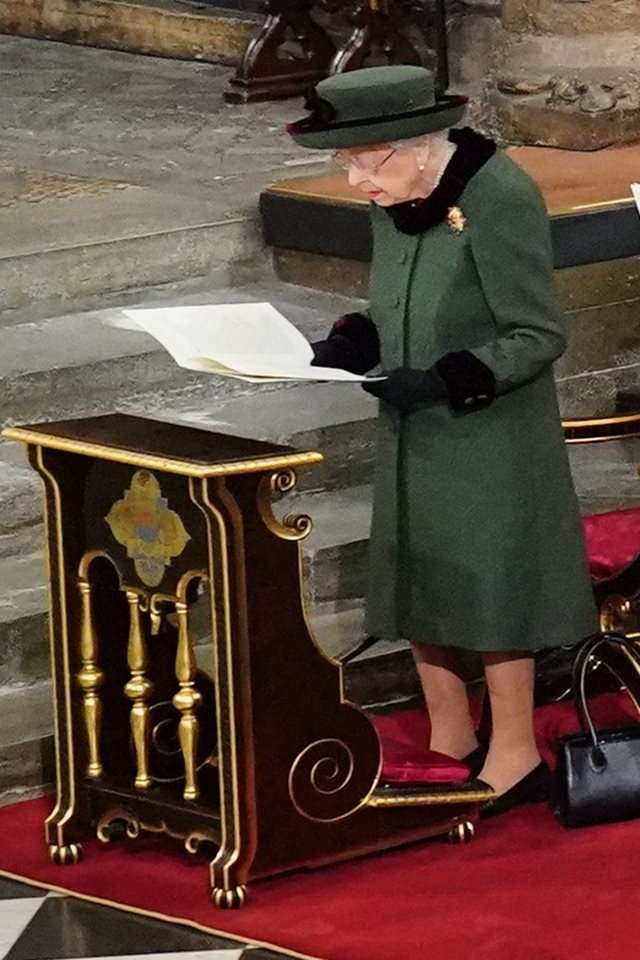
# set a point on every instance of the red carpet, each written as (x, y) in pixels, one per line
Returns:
(525, 889)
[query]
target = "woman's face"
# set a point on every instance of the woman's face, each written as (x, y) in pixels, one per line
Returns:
(386, 174)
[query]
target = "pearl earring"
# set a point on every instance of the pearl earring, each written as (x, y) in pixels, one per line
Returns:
(421, 167)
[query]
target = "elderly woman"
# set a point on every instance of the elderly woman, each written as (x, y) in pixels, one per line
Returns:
(476, 541)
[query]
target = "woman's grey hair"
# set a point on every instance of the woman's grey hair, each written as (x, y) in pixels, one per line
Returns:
(426, 139)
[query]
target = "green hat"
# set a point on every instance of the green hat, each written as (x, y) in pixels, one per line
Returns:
(374, 105)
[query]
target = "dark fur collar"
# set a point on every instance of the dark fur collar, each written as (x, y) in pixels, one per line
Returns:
(418, 216)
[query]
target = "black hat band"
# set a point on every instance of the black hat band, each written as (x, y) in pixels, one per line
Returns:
(310, 124)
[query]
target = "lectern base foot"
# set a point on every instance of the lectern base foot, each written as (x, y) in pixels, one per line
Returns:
(231, 899)
(463, 832)
(66, 855)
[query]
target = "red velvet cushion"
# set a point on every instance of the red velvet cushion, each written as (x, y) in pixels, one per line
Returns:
(408, 763)
(613, 541)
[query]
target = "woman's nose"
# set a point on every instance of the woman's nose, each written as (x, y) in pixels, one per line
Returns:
(355, 176)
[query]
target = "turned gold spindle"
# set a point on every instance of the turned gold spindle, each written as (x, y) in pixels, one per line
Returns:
(138, 689)
(186, 700)
(156, 620)
(90, 679)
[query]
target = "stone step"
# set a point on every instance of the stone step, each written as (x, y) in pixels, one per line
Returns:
(20, 496)
(383, 674)
(120, 172)
(24, 585)
(128, 237)
(336, 550)
(338, 419)
(606, 475)
(26, 740)
(165, 28)
(78, 364)
(74, 365)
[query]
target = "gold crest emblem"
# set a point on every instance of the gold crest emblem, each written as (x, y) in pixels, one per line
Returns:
(143, 523)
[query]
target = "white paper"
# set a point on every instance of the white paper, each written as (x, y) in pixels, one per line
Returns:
(250, 341)
(635, 190)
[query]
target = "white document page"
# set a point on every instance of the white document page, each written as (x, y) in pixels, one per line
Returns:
(246, 340)
(635, 190)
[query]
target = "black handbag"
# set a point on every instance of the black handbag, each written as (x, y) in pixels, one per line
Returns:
(598, 772)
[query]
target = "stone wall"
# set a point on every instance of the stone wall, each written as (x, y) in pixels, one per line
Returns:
(566, 73)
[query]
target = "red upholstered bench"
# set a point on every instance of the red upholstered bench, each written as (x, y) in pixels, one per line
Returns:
(408, 765)
(613, 542)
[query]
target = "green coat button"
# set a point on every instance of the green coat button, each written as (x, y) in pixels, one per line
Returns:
(403, 256)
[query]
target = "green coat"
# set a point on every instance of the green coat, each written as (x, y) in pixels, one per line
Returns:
(476, 538)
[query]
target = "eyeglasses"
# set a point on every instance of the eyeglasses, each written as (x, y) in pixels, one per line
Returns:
(346, 161)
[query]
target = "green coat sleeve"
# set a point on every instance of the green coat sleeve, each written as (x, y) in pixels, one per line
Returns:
(511, 246)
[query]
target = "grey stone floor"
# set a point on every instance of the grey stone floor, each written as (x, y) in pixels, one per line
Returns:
(120, 171)
(152, 122)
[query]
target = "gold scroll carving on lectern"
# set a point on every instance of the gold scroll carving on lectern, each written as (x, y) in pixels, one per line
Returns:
(292, 526)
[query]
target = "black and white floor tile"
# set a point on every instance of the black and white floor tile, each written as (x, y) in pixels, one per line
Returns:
(36, 925)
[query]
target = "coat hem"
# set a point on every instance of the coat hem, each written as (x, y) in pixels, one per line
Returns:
(532, 646)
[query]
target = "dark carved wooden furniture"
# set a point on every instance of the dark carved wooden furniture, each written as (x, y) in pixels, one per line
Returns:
(377, 38)
(191, 698)
(292, 51)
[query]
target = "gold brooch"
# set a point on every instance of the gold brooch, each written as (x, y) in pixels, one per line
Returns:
(456, 219)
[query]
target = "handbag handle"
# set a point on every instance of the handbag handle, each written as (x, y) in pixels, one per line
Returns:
(580, 664)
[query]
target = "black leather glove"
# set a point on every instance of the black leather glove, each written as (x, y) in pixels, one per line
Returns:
(352, 345)
(471, 385)
(406, 388)
(338, 352)
(459, 377)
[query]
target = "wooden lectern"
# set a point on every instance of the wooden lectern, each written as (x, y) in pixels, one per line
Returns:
(244, 742)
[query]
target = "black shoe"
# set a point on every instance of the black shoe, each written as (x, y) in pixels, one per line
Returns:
(475, 760)
(536, 787)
